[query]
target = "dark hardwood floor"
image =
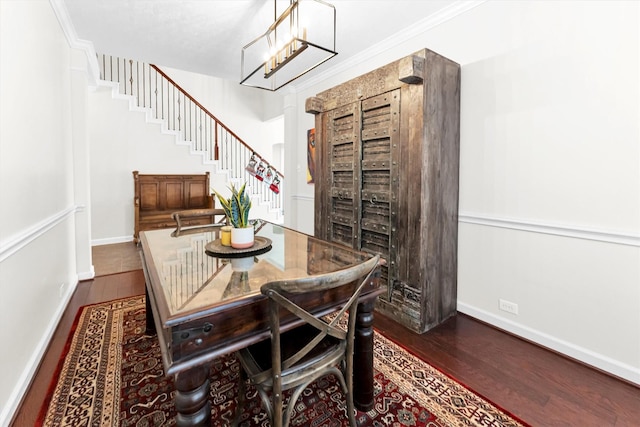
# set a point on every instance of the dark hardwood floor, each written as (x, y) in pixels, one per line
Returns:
(103, 288)
(538, 386)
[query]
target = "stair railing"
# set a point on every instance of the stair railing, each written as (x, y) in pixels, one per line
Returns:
(151, 88)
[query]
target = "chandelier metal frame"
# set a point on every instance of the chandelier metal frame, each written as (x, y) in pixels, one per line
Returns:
(299, 40)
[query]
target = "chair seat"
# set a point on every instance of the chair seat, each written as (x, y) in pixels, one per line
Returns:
(304, 354)
(256, 359)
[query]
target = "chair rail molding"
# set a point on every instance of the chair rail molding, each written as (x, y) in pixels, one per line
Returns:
(13, 244)
(627, 238)
(303, 197)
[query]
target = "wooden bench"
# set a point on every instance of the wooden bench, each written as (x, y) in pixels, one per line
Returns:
(157, 197)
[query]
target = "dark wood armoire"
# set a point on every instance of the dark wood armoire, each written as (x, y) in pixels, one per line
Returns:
(386, 179)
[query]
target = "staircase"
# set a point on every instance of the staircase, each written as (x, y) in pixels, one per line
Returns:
(150, 90)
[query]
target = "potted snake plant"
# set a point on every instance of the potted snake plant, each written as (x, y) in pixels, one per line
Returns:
(237, 208)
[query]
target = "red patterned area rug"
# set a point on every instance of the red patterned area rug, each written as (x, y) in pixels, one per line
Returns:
(112, 375)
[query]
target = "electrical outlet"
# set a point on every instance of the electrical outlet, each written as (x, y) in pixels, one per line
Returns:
(508, 306)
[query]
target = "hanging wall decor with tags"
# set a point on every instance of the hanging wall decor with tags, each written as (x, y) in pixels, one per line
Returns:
(262, 171)
(387, 158)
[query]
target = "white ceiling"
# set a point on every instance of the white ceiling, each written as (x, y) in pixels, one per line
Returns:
(207, 36)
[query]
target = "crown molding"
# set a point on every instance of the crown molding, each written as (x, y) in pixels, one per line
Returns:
(420, 27)
(86, 46)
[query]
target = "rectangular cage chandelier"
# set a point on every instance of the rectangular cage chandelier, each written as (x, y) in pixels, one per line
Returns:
(299, 40)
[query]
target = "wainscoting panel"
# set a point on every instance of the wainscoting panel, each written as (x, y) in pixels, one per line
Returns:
(575, 289)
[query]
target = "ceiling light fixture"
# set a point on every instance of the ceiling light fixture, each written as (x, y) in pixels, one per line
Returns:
(302, 38)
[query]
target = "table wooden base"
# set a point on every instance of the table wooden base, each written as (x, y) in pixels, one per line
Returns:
(192, 401)
(363, 357)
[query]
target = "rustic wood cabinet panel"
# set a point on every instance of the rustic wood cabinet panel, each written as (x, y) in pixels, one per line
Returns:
(387, 150)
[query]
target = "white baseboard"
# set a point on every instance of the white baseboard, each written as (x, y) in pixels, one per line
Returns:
(599, 361)
(87, 275)
(111, 240)
(20, 389)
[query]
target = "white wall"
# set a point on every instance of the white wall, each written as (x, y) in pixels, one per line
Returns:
(122, 140)
(550, 169)
(249, 113)
(549, 189)
(38, 139)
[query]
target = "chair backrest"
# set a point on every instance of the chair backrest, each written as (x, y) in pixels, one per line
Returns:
(279, 293)
(189, 214)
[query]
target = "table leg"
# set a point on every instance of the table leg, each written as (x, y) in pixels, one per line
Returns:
(363, 357)
(193, 406)
(151, 326)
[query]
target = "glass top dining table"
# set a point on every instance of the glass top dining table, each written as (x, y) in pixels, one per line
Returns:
(195, 273)
(204, 301)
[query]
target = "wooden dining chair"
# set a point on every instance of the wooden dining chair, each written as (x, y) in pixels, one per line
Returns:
(189, 217)
(295, 358)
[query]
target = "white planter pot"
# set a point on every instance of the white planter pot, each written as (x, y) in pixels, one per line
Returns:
(242, 264)
(242, 238)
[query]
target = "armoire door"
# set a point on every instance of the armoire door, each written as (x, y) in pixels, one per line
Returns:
(363, 169)
(379, 140)
(343, 132)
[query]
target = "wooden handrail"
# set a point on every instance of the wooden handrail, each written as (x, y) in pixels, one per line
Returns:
(152, 89)
(203, 108)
